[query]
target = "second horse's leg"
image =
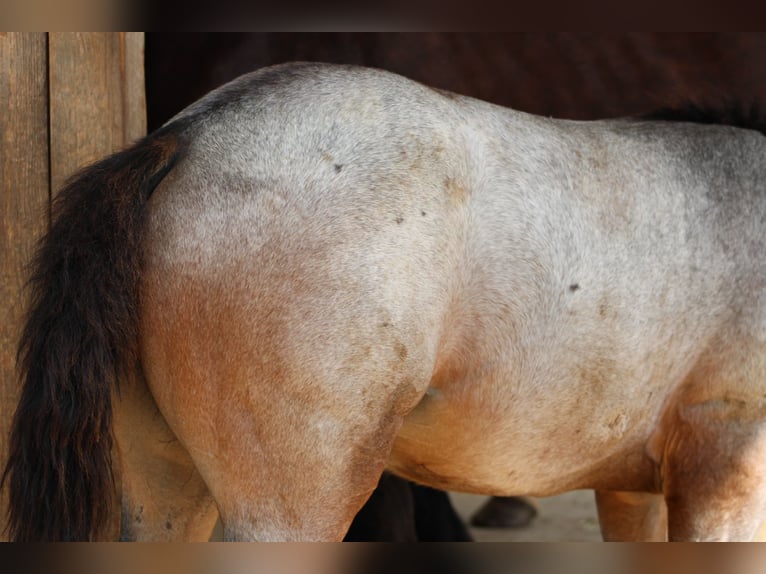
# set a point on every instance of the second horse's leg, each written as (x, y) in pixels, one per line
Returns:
(631, 516)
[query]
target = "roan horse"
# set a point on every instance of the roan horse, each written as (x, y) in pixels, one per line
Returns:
(317, 272)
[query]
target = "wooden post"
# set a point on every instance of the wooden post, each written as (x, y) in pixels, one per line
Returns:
(65, 101)
(24, 181)
(97, 102)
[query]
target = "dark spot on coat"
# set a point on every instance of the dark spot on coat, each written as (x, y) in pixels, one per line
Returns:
(168, 525)
(385, 324)
(574, 287)
(399, 219)
(338, 167)
(423, 213)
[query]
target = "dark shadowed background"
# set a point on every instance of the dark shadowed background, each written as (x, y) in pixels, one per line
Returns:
(565, 74)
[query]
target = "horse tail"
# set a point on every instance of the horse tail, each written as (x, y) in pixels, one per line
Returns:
(79, 340)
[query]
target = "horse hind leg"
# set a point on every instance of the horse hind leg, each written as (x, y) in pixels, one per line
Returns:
(277, 367)
(291, 478)
(290, 437)
(301, 481)
(163, 495)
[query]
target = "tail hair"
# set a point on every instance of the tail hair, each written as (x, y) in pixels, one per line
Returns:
(78, 342)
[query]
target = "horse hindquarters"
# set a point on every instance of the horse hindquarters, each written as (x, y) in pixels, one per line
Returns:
(287, 407)
(282, 464)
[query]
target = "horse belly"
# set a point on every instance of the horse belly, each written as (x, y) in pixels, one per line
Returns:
(502, 445)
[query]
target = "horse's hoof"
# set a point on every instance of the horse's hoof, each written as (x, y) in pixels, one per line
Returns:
(505, 512)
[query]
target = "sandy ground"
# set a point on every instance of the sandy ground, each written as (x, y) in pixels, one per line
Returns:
(569, 517)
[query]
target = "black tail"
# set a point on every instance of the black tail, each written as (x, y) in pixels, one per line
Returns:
(78, 341)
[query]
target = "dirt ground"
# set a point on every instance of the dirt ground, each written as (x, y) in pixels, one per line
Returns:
(569, 517)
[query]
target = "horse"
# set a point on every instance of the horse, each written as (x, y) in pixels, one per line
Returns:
(318, 272)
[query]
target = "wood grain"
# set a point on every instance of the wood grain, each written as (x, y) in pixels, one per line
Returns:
(97, 102)
(65, 101)
(24, 196)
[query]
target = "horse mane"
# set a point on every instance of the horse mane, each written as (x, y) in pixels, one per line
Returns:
(749, 116)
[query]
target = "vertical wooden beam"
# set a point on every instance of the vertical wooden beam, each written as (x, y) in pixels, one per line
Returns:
(97, 102)
(24, 197)
(65, 100)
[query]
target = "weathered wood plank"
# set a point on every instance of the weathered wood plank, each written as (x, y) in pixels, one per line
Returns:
(65, 101)
(24, 195)
(97, 97)
(134, 125)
